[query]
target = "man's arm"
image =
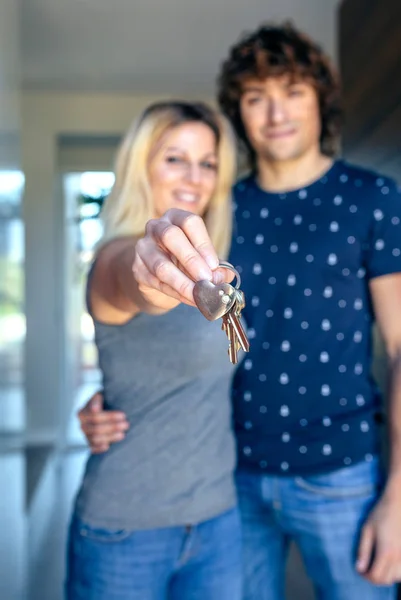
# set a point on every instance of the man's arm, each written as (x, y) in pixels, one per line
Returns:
(101, 427)
(381, 534)
(386, 296)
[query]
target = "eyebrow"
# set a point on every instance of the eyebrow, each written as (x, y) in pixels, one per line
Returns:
(176, 149)
(249, 88)
(173, 148)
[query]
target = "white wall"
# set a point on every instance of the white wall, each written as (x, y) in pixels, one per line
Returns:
(77, 113)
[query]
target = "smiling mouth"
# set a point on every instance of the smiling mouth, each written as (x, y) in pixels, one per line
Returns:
(187, 197)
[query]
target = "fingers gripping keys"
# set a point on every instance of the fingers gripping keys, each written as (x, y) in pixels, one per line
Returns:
(175, 251)
(227, 302)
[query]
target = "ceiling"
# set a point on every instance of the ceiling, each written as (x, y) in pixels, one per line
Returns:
(148, 46)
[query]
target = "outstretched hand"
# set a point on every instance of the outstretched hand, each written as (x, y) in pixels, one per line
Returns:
(175, 252)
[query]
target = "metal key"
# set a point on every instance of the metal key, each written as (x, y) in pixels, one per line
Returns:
(232, 339)
(232, 326)
(233, 317)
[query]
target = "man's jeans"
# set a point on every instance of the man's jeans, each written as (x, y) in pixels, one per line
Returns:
(323, 514)
(203, 563)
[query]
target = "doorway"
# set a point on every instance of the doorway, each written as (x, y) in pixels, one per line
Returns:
(84, 194)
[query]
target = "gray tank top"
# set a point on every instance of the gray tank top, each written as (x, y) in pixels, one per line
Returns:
(171, 375)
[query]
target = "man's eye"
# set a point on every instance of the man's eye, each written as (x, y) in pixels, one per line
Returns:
(295, 92)
(253, 99)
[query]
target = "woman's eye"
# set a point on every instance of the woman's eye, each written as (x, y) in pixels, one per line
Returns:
(210, 166)
(174, 159)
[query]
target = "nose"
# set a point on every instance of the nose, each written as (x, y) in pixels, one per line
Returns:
(276, 111)
(193, 173)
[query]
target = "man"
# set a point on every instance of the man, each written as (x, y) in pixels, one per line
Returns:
(318, 243)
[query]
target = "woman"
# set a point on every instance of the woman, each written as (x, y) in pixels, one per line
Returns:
(156, 515)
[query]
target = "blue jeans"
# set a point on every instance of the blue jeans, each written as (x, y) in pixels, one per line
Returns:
(323, 514)
(201, 562)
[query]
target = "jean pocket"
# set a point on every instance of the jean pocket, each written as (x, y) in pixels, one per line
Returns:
(99, 534)
(362, 480)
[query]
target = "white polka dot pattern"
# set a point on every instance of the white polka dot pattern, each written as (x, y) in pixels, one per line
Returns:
(306, 257)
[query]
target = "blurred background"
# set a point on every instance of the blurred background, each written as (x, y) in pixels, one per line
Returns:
(73, 75)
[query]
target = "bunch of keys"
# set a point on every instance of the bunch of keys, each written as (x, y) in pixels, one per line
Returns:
(226, 302)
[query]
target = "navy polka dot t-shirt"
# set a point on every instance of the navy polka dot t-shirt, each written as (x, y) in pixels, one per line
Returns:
(304, 398)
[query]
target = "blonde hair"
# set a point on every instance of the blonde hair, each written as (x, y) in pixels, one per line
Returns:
(130, 204)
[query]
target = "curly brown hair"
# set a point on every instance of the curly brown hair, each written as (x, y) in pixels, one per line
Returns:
(271, 51)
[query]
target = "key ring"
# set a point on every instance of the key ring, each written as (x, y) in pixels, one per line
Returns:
(226, 265)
